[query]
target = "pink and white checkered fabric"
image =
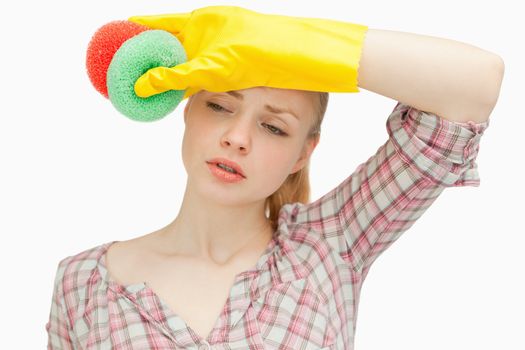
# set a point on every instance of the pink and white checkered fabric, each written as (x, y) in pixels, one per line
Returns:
(304, 291)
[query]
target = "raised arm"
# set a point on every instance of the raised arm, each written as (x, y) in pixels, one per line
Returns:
(457, 81)
(446, 91)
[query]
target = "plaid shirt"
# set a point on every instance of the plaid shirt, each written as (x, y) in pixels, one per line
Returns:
(304, 291)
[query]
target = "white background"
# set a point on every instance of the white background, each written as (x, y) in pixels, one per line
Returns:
(75, 173)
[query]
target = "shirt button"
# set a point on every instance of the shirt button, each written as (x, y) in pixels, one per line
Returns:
(204, 346)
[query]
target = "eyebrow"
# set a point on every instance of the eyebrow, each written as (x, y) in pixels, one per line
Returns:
(272, 109)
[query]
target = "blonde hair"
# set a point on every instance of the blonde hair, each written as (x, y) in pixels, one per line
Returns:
(296, 187)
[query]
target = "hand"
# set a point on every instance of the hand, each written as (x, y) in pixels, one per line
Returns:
(232, 48)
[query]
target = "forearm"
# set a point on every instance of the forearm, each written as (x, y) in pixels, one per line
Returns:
(456, 81)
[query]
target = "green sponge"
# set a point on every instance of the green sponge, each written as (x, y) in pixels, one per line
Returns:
(149, 49)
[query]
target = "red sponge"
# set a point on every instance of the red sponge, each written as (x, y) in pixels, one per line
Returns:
(102, 47)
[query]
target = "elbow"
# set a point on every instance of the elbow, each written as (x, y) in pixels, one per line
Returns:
(490, 90)
(495, 73)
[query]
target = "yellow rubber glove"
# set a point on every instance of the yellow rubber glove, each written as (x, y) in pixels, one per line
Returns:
(232, 48)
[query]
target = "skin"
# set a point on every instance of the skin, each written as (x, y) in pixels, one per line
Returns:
(220, 223)
(457, 81)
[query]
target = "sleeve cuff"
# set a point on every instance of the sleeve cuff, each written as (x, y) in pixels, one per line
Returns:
(443, 151)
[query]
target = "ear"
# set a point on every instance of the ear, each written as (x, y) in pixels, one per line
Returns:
(306, 153)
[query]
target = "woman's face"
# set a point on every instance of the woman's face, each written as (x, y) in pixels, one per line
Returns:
(244, 126)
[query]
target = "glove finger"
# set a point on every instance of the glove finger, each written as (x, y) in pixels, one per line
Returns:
(160, 79)
(172, 23)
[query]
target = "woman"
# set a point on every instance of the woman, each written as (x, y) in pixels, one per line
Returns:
(249, 262)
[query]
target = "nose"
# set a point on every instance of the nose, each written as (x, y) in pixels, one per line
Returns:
(238, 135)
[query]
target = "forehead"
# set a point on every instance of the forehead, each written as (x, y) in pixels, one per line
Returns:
(299, 102)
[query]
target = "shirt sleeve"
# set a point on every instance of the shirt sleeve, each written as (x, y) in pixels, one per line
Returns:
(57, 327)
(384, 196)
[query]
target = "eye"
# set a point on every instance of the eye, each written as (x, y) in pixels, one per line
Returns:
(215, 107)
(273, 130)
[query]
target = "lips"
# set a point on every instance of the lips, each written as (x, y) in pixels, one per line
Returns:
(228, 163)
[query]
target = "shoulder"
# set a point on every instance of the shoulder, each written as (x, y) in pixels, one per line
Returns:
(74, 273)
(75, 270)
(73, 276)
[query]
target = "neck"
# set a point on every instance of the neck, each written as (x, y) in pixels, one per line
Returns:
(216, 232)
